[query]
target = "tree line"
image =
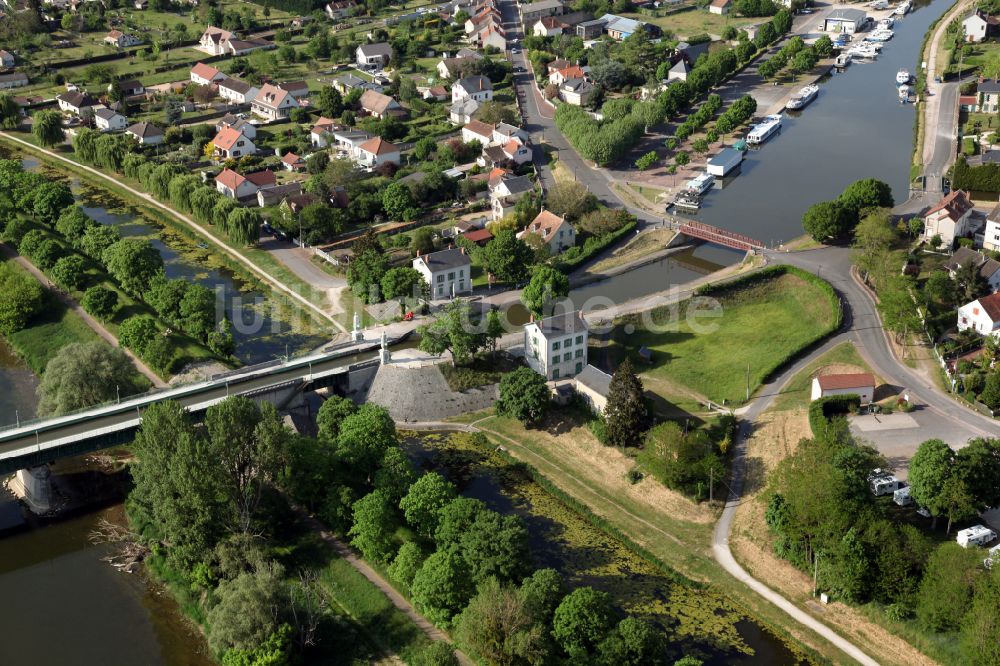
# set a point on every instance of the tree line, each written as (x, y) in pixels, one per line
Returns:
(827, 522)
(65, 242)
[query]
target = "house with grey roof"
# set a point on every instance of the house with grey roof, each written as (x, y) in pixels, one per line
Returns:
(446, 272)
(373, 56)
(556, 347)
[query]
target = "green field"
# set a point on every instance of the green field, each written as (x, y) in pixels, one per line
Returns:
(759, 326)
(57, 327)
(695, 22)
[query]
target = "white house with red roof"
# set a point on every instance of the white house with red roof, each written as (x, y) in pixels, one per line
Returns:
(205, 75)
(273, 103)
(230, 143)
(321, 134)
(950, 218)
(555, 231)
(720, 7)
(981, 315)
(861, 384)
(375, 152)
(293, 162)
(477, 130)
(560, 76)
(236, 186)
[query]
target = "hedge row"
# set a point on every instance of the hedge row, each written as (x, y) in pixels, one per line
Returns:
(823, 410)
(592, 246)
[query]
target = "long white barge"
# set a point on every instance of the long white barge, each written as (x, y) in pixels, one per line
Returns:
(762, 132)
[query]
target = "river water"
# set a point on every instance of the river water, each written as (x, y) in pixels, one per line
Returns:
(855, 128)
(64, 605)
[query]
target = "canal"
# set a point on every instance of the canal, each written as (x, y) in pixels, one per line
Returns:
(855, 128)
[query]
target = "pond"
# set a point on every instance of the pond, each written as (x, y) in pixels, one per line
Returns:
(17, 387)
(696, 620)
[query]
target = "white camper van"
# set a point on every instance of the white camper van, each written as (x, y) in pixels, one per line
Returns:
(902, 497)
(976, 535)
(884, 484)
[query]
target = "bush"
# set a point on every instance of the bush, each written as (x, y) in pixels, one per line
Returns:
(100, 302)
(23, 298)
(70, 272)
(823, 410)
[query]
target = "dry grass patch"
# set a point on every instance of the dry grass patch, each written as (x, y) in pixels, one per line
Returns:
(645, 244)
(601, 466)
(776, 436)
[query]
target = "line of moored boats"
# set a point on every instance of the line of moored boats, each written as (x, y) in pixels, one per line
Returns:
(867, 49)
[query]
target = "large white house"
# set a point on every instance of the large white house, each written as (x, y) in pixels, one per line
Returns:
(950, 218)
(76, 102)
(447, 272)
(478, 88)
(557, 234)
(236, 91)
(107, 120)
(231, 143)
(977, 26)
(981, 315)
(121, 40)
(213, 41)
(204, 75)
(988, 268)
(237, 186)
(273, 103)
(369, 56)
(146, 133)
(556, 347)
(376, 152)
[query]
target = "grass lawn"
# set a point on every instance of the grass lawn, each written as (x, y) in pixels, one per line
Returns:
(695, 22)
(57, 327)
(761, 325)
(844, 358)
(643, 245)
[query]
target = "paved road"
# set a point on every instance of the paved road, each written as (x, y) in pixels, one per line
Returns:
(235, 254)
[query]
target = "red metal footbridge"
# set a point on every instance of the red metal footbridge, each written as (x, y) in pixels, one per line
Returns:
(713, 234)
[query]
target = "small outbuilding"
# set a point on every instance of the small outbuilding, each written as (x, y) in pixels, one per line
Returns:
(592, 385)
(862, 384)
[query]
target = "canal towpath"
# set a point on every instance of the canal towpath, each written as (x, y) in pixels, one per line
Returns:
(93, 323)
(189, 222)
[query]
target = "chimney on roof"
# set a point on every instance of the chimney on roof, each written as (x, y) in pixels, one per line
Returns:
(418, 254)
(462, 249)
(531, 319)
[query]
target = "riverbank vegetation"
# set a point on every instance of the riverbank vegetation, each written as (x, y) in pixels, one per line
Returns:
(724, 353)
(247, 566)
(836, 220)
(867, 551)
(81, 256)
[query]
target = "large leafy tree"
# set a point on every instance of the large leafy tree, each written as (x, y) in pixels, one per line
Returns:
(570, 199)
(375, 521)
(547, 286)
(424, 501)
(247, 442)
(495, 546)
(453, 331)
(174, 498)
(50, 200)
(524, 396)
(134, 262)
(978, 464)
(85, 374)
(46, 127)
(947, 586)
(581, 621)
(442, 587)
(625, 414)
(864, 194)
(10, 112)
(331, 414)
(507, 257)
(827, 220)
(930, 469)
(402, 282)
(364, 437)
(634, 642)
(398, 201)
(498, 626)
(249, 610)
(22, 299)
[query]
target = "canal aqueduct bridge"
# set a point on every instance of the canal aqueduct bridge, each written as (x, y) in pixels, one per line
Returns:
(280, 383)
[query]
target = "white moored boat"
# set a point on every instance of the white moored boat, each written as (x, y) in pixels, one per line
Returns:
(904, 94)
(843, 60)
(760, 133)
(701, 183)
(802, 97)
(902, 9)
(902, 77)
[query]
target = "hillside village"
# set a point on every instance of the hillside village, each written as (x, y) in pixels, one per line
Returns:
(404, 332)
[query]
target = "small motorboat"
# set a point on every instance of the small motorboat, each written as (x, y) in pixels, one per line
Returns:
(902, 77)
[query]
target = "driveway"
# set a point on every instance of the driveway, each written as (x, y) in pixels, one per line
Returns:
(299, 261)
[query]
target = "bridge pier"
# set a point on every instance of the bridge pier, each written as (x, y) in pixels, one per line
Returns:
(34, 486)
